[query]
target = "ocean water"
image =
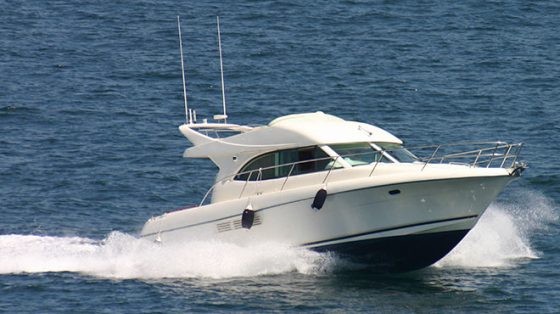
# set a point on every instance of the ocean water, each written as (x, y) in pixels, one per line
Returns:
(90, 101)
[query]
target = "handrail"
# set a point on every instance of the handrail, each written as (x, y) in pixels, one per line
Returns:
(259, 171)
(330, 170)
(288, 176)
(432, 156)
(481, 157)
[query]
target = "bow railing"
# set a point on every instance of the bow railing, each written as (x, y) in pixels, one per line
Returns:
(490, 155)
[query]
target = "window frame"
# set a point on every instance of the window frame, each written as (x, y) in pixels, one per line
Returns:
(280, 169)
(396, 157)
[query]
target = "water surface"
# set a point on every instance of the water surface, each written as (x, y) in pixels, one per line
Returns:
(91, 98)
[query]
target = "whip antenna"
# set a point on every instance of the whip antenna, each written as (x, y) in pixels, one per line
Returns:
(188, 116)
(224, 116)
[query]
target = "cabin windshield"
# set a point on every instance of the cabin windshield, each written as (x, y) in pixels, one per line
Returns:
(398, 152)
(358, 154)
(284, 163)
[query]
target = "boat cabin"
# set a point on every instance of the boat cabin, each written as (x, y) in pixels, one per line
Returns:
(290, 146)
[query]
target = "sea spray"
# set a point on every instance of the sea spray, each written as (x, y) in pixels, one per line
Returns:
(503, 234)
(124, 256)
(501, 237)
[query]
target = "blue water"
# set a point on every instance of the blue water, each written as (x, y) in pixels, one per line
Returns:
(90, 101)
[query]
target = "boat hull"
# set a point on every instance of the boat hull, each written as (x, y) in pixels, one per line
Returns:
(402, 226)
(398, 253)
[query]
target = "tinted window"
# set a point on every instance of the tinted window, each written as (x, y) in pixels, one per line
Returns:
(279, 164)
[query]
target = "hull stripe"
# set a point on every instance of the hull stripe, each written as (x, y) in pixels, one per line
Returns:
(388, 229)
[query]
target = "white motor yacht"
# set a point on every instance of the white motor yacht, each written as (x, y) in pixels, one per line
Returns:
(317, 181)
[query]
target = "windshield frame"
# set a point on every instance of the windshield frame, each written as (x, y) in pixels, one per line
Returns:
(389, 152)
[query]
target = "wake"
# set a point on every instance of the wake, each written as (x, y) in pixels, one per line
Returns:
(501, 238)
(124, 256)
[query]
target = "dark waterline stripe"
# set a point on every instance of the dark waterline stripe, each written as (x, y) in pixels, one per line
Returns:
(389, 229)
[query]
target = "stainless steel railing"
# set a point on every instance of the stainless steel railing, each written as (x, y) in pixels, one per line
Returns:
(259, 173)
(490, 155)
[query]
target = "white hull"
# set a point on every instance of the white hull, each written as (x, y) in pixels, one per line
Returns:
(368, 221)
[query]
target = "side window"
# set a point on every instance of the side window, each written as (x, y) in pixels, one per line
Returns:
(279, 164)
(311, 159)
(262, 162)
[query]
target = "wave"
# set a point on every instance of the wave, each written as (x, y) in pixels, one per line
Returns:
(502, 237)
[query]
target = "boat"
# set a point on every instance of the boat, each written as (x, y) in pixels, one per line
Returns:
(317, 181)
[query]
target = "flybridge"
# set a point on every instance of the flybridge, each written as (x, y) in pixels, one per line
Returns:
(220, 126)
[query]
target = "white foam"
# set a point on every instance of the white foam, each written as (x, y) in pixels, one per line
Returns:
(124, 256)
(503, 234)
(501, 238)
